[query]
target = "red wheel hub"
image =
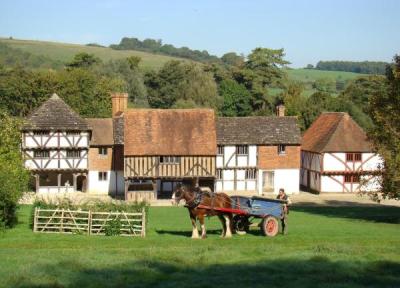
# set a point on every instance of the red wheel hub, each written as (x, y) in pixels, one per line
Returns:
(270, 226)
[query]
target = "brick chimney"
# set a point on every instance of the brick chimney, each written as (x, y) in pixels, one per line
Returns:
(280, 110)
(119, 102)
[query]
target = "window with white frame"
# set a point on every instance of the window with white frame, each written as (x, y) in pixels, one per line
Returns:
(281, 149)
(219, 174)
(242, 149)
(73, 153)
(220, 150)
(103, 151)
(251, 174)
(170, 160)
(41, 154)
(102, 176)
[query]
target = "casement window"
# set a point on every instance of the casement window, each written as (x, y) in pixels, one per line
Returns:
(219, 174)
(73, 153)
(357, 157)
(170, 160)
(353, 157)
(347, 178)
(102, 176)
(349, 157)
(351, 178)
(41, 154)
(103, 151)
(41, 133)
(71, 133)
(251, 174)
(220, 150)
(281, 149)
(242, 150)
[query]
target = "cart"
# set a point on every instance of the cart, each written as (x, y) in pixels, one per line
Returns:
(246, 209)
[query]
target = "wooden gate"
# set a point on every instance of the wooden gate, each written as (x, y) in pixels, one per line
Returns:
(88, 222)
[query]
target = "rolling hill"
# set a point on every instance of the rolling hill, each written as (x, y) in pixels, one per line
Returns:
(65, 52)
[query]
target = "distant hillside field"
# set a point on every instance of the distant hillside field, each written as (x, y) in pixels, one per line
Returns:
(307, 75)
(65, 52)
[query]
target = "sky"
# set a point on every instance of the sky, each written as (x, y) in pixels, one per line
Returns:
(308, 30)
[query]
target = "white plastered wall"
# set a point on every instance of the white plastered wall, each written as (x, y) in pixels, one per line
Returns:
(114, 183)
(287, 179)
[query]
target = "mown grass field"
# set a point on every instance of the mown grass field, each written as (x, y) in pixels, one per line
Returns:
(325, 247)
(65, 52)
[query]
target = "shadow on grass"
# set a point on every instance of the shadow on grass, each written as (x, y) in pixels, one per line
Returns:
(315, 272)
(343, 209)
(186, 234)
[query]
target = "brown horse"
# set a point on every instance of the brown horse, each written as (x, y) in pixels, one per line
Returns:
(194, 198)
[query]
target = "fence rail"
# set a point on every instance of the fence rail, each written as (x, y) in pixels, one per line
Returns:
(88, 222)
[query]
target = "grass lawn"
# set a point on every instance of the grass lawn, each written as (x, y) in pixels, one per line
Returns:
(325, 247)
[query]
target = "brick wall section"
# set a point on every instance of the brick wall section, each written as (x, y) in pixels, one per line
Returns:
(100, 162)
(268, 157)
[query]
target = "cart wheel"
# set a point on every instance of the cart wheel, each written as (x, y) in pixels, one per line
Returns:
(241, 224)
(270, 226)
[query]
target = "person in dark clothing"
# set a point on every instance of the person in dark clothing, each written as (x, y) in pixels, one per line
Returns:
(285, 209)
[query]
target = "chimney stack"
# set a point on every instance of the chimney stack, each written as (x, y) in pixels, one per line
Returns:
(119, 102)
(280, 110)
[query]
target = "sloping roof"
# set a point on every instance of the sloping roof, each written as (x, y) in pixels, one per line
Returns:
(102, 131)
(257, 130)
(54, 114)
(169, 132)
(335, 132)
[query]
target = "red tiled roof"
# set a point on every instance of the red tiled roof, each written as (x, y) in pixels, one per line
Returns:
(169, 132)
(335, 132)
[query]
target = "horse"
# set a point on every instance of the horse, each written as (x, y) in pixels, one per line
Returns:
(195, 197)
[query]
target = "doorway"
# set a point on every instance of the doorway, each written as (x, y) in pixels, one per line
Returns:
(268, 181)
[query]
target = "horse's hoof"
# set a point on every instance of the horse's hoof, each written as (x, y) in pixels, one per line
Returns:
(203, 237)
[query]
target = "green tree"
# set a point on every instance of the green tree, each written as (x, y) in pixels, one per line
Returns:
(178, 80)
(233, 59)
(129, 72)
(13, 176)
(236, 99)
(84, 60)
(384, 109)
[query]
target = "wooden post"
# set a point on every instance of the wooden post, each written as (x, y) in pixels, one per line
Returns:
(62, 221)
(74, 176)
(155, 188)
(90, 222)
(59, 181)
(126, 188)
(37, 182)
(35, 219)
(143, 234)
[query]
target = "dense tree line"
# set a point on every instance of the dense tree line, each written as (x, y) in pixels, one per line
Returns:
(364, 67)
(384, 109)
(156, 46)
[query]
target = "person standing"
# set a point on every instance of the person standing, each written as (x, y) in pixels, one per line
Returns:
(285, 209)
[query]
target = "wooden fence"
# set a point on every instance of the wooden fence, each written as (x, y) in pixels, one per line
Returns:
(89, 222)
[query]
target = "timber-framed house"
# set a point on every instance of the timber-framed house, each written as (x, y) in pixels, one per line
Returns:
(55, 143)
(258, 155)
(337, 157)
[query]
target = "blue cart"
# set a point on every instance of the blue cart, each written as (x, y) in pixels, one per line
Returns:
(246, 209)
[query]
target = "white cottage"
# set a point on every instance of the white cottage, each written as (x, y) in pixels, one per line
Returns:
(336, 156)
(55, 143)
(257, 155)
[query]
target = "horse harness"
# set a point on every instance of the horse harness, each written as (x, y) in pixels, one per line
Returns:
(198, 197)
